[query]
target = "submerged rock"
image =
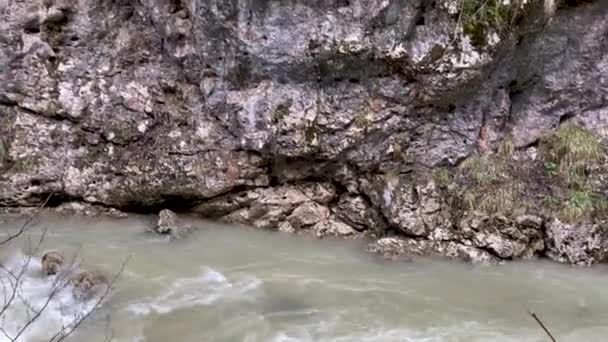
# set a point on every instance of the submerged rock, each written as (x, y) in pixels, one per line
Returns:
(401, 247)
(52, 262)
(88, 284)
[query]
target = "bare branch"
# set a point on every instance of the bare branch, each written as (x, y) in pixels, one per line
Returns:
(542, 326)
(26, 224)
(63, 334)
(24, 267)
(58, 285)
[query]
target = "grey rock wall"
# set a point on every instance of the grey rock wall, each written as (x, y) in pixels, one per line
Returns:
(283, 114)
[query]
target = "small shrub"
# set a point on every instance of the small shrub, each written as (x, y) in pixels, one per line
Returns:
(507, 199)
(24, 165)
(551, 168)
(479, 17)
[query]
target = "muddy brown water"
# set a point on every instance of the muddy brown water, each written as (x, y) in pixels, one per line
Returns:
(228, 284)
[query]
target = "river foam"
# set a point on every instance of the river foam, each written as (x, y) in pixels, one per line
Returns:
(35, 292)
(204, 289)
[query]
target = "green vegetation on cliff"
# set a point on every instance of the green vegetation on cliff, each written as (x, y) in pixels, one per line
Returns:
(563, 180)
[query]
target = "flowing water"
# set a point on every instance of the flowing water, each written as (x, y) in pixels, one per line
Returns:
(236, 284)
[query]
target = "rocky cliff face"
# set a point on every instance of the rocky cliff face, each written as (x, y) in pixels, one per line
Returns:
(343, 117)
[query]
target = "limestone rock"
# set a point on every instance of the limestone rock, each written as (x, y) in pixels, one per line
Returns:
(308, 214)
(505, 238)
(358, 213)
(580, 244)
(399, 248)
(167, 222)
(333, 227)
(414, 209)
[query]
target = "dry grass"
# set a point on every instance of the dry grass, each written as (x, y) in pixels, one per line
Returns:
(573, 150)
(559, 184)
(469, 200)
(479, 168)
(506, 148)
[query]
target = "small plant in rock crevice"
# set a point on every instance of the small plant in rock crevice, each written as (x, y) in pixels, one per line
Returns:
(360, 120)
(482, 17)
(441, 176)
(551, 168)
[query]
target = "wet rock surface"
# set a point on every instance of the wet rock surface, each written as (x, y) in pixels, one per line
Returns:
(321, 117)
(169, 224)
(52, 262)
(87, 284)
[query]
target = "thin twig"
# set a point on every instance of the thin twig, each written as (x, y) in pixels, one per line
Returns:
(27, 222)
(61, 335)
(48, 300)
(542, 326)
(18, 277)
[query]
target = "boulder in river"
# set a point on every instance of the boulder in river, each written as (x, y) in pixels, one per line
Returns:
(52, 262)
(87, 284)
(168, 224)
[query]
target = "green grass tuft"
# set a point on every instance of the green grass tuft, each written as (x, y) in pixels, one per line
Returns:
(480, 17)
(360, 120)
(441, 176)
